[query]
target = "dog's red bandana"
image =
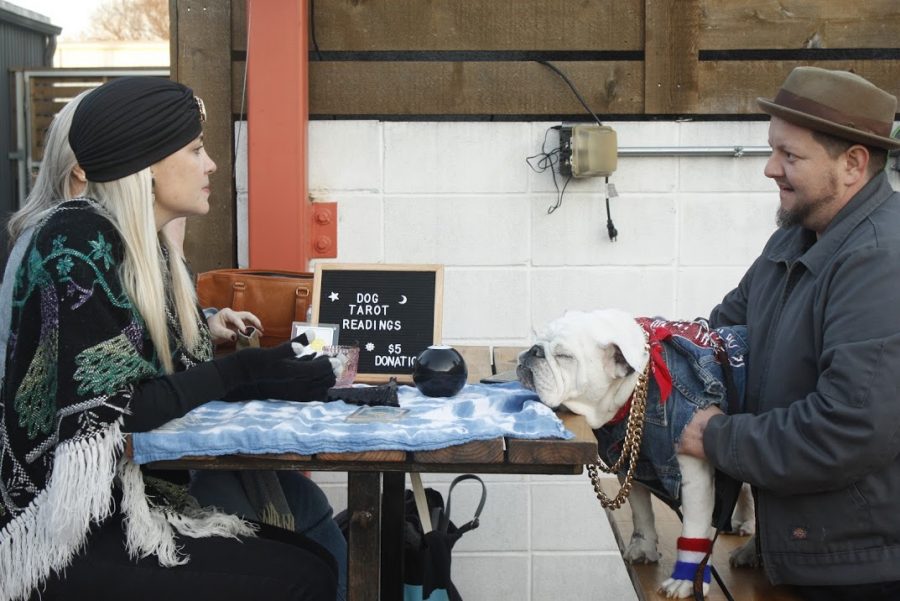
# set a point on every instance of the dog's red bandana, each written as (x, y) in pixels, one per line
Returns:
(657, 331)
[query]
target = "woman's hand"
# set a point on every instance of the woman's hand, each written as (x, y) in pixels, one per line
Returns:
(274, 373)
(226, 322)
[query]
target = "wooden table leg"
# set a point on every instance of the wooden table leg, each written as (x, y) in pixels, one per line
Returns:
(392, 525)
(364, 563)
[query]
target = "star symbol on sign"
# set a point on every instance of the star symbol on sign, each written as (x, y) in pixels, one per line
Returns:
(370, 347)
(333, 296)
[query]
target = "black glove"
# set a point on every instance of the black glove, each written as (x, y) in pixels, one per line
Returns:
(255, 364)
(311, 382)
(256, 373)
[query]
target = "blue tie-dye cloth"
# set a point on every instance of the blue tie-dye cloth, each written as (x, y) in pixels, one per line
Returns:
(478, 412)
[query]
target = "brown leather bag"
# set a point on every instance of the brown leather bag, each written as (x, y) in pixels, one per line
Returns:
(277, 298)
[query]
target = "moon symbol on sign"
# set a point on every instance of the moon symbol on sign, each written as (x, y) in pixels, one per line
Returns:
(403, 299)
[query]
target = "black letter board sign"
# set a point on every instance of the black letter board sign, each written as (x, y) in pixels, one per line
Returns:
(392, 311)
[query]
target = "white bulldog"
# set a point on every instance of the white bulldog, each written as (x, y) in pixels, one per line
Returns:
(590, 363)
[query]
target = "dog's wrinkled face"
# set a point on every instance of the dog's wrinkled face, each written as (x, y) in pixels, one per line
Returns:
(582, 360)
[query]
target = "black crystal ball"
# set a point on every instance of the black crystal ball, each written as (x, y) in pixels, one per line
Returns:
(440, 371)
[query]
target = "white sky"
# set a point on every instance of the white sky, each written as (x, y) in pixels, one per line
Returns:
(72, 15)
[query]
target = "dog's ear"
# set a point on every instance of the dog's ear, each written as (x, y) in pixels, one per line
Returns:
(615, 363)
(621, 363)
(614, 327)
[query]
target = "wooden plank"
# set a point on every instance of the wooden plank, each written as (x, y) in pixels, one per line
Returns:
(478, 361)
(393, 525)
(392, 88)
(203, 62)
(579, 450)
(39, 127)
(52, 102)
(747, 584)
(62, 89)
(461, 457)
(671, 56)
(282, 461)
(473, 88)
(506, 357)
(479, 25)
(369, 456)
(481, 451)
(731, 87)
(363, 504)
(239, 102)
(239, 25)
(175, 41)
(747, 24)
(293, 457)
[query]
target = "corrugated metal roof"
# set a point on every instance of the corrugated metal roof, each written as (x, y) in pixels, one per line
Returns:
(28, 19)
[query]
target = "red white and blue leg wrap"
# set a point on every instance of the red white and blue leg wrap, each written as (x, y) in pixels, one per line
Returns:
(691, 552)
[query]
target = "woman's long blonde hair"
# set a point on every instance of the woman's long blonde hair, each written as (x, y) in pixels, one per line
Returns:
(128, 203)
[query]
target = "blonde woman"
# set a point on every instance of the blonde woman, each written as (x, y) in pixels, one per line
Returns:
(101, 335)
(302, 505)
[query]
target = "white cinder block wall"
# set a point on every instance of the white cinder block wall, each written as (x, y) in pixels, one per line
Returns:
(461, 194)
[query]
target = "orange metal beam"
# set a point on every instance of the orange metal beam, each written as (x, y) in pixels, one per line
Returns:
(279, 210)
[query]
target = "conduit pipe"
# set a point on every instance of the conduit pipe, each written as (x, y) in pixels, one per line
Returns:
(694, 151)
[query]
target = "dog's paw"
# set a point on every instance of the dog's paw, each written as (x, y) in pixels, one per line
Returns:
(641, 550)
(745, 556)
(745, 528)
(743, 518)
(680, 589)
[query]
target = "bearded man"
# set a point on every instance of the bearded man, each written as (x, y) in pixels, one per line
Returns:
(820, 442)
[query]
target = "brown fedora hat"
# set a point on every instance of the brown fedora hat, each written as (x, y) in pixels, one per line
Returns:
(839, 103)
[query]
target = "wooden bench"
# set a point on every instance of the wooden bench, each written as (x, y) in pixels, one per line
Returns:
(744, 584)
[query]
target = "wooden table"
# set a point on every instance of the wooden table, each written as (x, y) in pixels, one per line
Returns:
(376, 482)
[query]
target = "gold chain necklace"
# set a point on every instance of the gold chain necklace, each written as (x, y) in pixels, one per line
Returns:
(634, 433)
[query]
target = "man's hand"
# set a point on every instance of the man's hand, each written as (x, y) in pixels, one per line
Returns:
(692, 436)
(224, 324)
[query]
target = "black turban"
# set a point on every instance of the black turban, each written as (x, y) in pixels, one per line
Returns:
(130, 123)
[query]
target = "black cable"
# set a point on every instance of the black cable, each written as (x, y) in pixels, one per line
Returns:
(312, 28)
(611, 230)
(725, 591)
(572, 86)
(546, 160)
(560, 197)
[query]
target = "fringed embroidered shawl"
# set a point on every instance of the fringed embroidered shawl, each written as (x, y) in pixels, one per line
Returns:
(76, 347)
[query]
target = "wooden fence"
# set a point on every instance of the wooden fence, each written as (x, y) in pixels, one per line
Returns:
(479, 58)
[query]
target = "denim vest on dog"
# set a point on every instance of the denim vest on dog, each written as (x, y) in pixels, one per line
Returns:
(690, 352)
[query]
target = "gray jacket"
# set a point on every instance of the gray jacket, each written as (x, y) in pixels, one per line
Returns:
(821, 440)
